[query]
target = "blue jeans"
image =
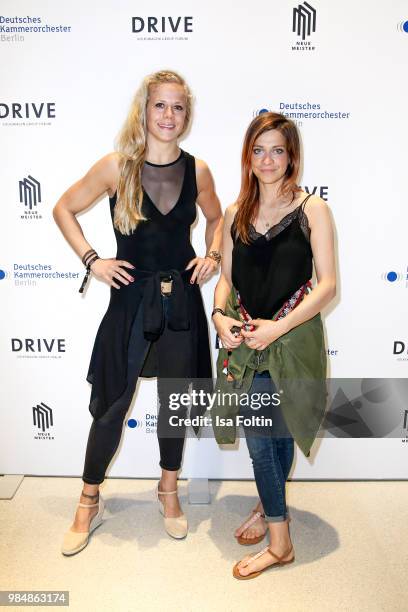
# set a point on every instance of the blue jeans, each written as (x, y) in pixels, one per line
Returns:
(271, 450)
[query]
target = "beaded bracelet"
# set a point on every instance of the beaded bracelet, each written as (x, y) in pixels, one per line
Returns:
(215, 256)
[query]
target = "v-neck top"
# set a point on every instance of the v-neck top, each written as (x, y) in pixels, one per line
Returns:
(162, 241)
(273, 266)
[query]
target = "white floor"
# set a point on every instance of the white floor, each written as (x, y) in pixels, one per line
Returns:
(350, 540)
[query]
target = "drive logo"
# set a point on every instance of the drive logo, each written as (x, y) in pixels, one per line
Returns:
(38, 347)
(303, 25)
(27, 113)
(166, 26)
(43, 420)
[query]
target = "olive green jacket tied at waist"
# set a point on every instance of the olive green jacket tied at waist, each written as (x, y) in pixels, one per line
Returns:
(297, 365)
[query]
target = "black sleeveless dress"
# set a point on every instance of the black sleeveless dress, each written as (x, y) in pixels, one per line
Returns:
(273, 266)
(158, 247)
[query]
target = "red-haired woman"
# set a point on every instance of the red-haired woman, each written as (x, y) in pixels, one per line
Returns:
(272, 236)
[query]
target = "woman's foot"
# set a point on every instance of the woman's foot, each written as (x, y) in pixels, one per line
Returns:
(83, 515)
(171, 504)
(85, 522)
(257, 529)
(280, 553)
(175, 521)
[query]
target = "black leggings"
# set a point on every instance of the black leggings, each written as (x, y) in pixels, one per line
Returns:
(106, 432)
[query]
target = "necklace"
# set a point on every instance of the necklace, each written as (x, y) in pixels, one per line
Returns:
(266, 223)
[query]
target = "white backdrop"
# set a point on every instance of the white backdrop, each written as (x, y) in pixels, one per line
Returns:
(75, 85)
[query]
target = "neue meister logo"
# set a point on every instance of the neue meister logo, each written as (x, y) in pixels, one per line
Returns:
(304, 20)
(42, 416)
(30, 192)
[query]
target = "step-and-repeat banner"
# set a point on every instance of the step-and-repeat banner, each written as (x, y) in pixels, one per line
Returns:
(68, 74)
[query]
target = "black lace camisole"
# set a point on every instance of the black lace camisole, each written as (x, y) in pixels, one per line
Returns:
(270, 269)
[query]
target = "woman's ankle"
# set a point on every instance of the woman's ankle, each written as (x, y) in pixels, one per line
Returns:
(89, 494)
(167, 484)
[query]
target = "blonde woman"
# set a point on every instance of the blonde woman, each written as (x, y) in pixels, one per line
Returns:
(155, 323)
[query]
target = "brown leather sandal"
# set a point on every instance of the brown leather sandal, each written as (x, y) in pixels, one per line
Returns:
(251, 521)
(267, 549)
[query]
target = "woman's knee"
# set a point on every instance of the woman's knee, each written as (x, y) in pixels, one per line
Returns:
(259, 448)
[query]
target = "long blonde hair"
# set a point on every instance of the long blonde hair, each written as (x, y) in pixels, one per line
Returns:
(131, 145)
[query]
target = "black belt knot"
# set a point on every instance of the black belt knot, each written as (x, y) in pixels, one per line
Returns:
(153, 315)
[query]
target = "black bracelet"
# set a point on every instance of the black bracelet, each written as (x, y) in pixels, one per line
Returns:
(220, 310)
(89, 258)
(86, 255)
(93, 258)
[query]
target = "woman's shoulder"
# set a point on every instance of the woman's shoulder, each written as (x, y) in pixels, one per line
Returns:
(230, 212)
(314, 208)
(201, 166)
(311, 204)
(204, 177)
(229, 219)
(104, 173)
(110, 165)
(310, 200)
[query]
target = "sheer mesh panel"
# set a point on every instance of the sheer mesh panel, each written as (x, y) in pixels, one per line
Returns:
(163, 184)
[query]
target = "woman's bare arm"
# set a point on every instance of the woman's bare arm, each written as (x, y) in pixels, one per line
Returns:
(222, 323)
(101, 178)
(224, 284)
(209, 203)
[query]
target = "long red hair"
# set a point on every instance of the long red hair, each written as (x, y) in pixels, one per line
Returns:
(248, 199)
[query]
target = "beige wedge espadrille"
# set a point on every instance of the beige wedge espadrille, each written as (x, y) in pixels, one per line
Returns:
(75, 541)
(176, 527)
